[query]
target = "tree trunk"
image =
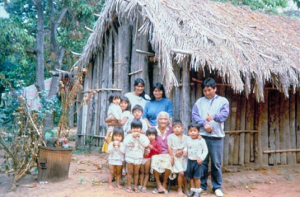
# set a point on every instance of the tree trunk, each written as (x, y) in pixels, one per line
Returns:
(40, 46)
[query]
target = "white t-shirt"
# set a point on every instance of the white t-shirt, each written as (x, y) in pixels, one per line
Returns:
(136, 100)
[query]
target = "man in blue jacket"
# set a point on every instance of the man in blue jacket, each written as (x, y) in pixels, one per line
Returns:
(211, 111)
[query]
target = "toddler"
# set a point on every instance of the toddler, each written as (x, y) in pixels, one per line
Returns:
(137, 112)
(116, 151)
(135, 144)
(197, 151)
(177, 144)
(153, 148)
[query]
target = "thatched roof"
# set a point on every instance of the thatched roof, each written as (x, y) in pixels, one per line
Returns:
(245, 47)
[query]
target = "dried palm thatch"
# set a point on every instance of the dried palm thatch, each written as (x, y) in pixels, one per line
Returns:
(245, 47)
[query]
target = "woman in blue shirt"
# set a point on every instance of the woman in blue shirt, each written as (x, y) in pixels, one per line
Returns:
(158, 103)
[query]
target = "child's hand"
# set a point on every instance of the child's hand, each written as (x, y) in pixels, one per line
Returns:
(199, 137)
(172, 161)
(179, 153)
(199, 161)
(128, 132)
(150, 146)
(106, 139)
(184, 154)
(116, 143)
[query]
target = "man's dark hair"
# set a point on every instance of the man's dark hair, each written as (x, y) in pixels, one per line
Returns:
(194, 125)
(136, 124)
(137, 107)
(209, 82)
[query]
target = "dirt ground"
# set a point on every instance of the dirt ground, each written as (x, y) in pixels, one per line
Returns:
(88, 177)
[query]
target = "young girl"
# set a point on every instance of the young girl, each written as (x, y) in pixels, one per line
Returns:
(177, 142)
(126, 115)
(153, 148)
(116, 151)
(135, 144)
(114, 112)
(125, 120)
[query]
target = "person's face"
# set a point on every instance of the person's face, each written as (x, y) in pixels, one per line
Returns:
(116, 101)
(177, 129)
(163, 121)
(139, 88)
(118, 137)
(151, 137)
(157, 93)
(209, 92)
(134, 130)
(193, 132)
(137, 114)
(123, 105)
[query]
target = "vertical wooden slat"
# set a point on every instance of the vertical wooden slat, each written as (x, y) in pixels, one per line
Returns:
(117, 59)
(104, 84)
(186, 110)
(292, 144)
(243, 126)
(276, 97)
(79, 141)
(232, 137)
(86, 87)
(249, 125)
(263, 129)
(284, 126)
(71, 115)
(298, 126)
(272, 125)
(176, 92)
(126, 55)
(227, 128)
(236, 137)
(134, 65)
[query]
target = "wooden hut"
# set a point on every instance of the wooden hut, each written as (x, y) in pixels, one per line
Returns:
(253, 56)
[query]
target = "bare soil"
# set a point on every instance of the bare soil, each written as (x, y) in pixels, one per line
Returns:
(88, 177)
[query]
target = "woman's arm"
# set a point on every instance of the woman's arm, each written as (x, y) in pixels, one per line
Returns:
(123, 121)
(147, 121)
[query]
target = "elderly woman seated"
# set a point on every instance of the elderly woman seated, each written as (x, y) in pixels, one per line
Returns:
(161, 164)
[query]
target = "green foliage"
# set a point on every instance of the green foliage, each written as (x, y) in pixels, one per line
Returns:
(260, 4)
(18, 35)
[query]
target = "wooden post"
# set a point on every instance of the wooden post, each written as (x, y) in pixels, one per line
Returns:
(276, 112)
(298, 126)
(71, 115)
(78, 141)
(227, 128)
(237, 127)
(249, 125)
(284, 126)
(86, 86)
(263, 130)
(233, 109)
(126, 56)
(272, 124)
(116, 58)
(176, 92)
(186, 110)
(243, 126)
(292, 144)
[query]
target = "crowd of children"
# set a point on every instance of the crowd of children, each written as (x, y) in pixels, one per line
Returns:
(131, 145)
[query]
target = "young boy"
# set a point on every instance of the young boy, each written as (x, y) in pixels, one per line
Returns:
(197, 152)
(154, 148)
(177, 142)
(135, 144)
(137, 112)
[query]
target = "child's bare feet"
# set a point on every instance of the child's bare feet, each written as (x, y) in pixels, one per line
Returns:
(119, 187)
(110, 187)
(180, 193)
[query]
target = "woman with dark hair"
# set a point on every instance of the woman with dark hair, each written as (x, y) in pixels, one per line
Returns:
(158, 103)
(138, 96)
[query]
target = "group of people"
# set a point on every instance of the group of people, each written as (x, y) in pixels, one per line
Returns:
(142, 137)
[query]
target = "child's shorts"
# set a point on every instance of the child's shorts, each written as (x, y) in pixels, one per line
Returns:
(193, 170)
(115, 162)
(134, 161)
(145, 160)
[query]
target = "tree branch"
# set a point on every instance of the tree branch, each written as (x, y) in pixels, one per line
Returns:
(33, 1)
(62, 14)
